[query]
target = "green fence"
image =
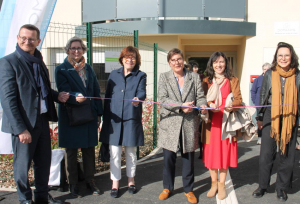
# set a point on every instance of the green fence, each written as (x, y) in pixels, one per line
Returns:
(101, 41)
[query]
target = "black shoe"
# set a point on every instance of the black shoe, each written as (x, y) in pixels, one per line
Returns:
(132, 189)
(48, 200)
(74, 191)
(258, 193)
(281, 195)
(92, 186)
(114, 193)
(27, 202)
(53, 201)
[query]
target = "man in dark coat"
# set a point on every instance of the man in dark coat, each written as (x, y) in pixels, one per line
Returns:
(255, 92)
(28, 106)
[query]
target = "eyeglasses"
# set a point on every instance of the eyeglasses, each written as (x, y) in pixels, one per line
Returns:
(283, 56)
(30, 40)
(133, 59)
(173, 61)
(73, 49)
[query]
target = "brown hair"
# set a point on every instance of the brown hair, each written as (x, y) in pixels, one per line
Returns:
(129, 51)
(294, 57)
(210, 72)
(172, 52)
(31, 27)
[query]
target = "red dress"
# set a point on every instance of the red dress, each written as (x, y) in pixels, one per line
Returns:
(220, 154)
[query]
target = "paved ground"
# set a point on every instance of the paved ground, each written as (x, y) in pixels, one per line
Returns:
(149, 183)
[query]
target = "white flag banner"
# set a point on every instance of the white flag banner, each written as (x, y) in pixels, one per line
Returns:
(14, 14)
(5, 142)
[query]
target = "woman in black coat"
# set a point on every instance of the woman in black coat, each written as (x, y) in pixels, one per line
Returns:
(122, 119)
(279, 123)
(79, 79)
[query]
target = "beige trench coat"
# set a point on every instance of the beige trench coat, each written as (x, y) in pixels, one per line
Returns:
(172, 120)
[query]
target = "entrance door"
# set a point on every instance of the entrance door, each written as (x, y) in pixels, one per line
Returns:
(203, 57)
(202, 61)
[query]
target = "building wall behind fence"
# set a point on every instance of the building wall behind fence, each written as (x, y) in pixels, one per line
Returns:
(58, 35)
(104, 40)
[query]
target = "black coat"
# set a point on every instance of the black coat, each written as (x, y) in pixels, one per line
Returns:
(67, 79)
(20, 97)
(266, 88)
(122, 122)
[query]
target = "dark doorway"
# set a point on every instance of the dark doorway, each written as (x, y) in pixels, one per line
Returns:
(202, 61)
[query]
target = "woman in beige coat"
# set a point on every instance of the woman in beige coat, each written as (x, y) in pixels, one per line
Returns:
(179, 125)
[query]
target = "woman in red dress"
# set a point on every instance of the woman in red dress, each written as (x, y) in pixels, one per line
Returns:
(219, 153)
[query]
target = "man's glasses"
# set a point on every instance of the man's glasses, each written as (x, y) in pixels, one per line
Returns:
(73, 49)
(30, 40)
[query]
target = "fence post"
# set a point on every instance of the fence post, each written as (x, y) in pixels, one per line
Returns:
(155, 97)
(136, 38)
(136, 44)
(89, 42)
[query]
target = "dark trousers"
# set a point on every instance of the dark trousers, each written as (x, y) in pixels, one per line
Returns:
(259, 132)
(268, 154)
(187, 170)
(88, 157)
(39, 150)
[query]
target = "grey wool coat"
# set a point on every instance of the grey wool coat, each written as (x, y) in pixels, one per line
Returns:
(172, 119)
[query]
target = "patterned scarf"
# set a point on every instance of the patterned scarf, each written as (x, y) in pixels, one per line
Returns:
(214, 93)
(288, 112)
(79, 67)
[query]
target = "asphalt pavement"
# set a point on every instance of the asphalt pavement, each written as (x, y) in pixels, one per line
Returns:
(244, 180)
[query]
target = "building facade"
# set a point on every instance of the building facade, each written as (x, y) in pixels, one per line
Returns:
(246, 30)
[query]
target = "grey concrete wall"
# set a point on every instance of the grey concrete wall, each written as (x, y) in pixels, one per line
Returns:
(101, 10)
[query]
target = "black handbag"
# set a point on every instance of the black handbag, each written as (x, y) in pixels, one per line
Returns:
(80, 114)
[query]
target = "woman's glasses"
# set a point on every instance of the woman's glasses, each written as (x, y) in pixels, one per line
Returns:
(129, 58)
(73, 49)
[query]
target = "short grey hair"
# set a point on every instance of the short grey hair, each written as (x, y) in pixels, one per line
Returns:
(266, 64)
(75, 39)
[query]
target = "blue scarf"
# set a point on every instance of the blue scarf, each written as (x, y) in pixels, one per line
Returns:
(36, 61)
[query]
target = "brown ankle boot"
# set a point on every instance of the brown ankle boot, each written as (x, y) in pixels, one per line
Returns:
(213, 190)
(221, 191)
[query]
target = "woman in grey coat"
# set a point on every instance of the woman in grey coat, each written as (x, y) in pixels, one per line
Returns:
(179, 125)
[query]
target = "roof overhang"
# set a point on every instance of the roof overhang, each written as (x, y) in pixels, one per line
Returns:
(150, 27)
